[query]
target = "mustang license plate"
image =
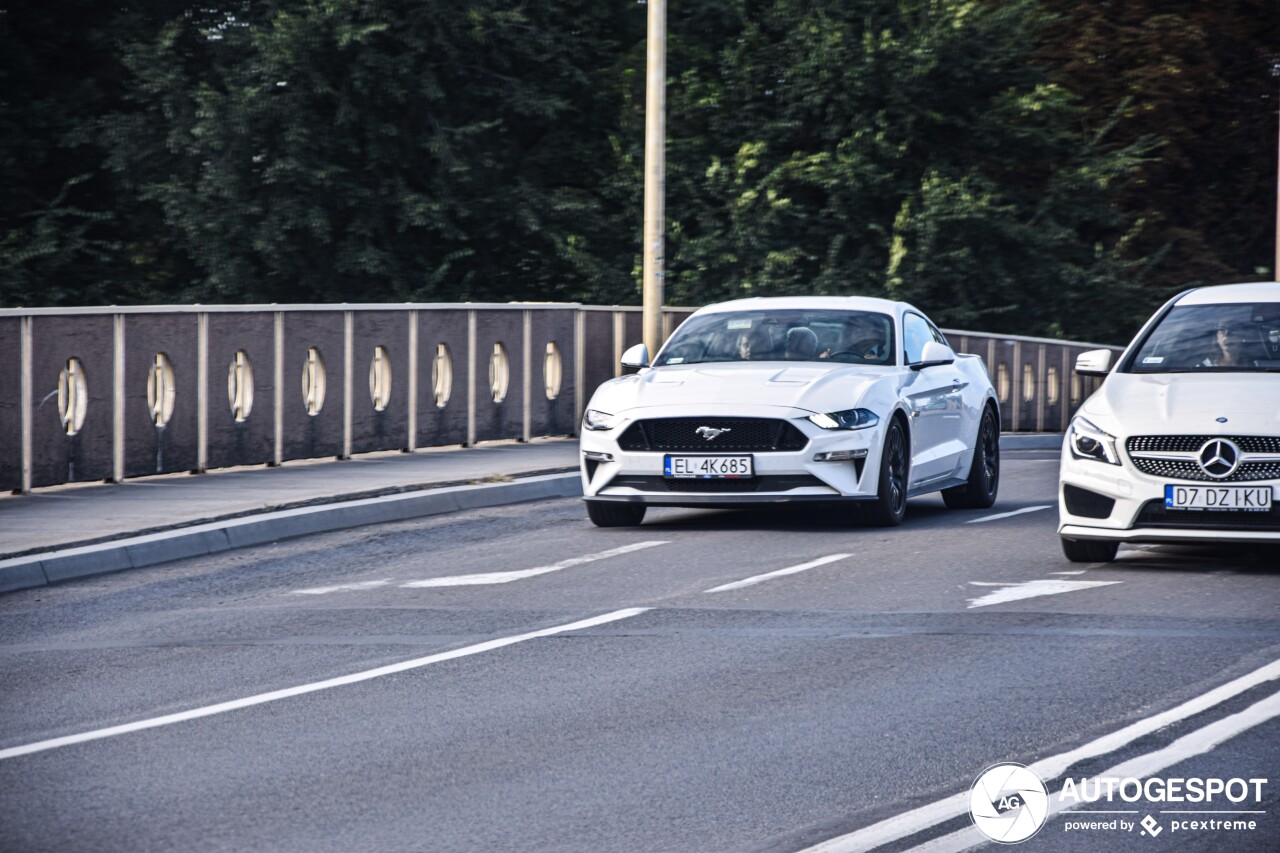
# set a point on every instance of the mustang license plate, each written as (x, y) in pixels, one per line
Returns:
(684, 467)
(1237, 498)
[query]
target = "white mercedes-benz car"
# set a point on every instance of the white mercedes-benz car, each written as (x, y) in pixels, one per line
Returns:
(1182, 441)
(788, 400)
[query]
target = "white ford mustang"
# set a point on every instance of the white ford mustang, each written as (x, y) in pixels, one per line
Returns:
(1182, 441)
(782, 400)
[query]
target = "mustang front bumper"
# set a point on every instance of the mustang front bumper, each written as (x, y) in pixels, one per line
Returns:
(612, 473)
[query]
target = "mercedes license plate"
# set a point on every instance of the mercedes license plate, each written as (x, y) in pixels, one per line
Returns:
(684, 467)
(1234, 498)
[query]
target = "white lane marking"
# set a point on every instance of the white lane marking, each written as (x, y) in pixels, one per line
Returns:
(919, 819)
(324, 590)
(1189, 745)
(790, 570)
(1030, 589)
(508, 577)
(1077, 572)
(353, 678)
(1001, 515)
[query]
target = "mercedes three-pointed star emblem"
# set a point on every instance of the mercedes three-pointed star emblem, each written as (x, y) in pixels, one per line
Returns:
(1219, 458)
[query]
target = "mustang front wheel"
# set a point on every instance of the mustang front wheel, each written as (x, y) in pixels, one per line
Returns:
(984, 474)
(890, 504)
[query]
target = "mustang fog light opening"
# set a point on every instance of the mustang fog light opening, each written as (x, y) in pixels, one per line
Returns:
(1089, 442)
(840, 456)
(849, 419)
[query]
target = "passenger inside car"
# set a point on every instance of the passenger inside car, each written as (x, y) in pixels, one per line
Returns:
(802, 344)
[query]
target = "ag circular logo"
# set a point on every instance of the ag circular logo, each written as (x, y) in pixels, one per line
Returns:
(1008, 803)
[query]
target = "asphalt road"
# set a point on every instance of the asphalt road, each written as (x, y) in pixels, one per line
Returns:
(852, 698)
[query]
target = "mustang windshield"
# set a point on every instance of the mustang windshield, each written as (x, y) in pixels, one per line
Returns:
(825, 336)
(1213, 339)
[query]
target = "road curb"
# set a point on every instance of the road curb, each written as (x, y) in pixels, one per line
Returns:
(135, 552)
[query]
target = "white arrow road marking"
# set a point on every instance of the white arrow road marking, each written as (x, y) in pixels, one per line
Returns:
(508, 577)
(1030, 589)
(1001, 515)
(323, 590)
(921, 818)
(791, 570)
(353, 678)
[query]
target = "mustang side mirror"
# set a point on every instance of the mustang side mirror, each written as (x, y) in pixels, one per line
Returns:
(933, 355)
(1096, 362)
(637, 356)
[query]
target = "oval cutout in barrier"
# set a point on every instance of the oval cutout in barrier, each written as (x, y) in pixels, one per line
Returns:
(314, 381)
(442, 376)
(499, 373)
(73, 396)
(240, 386)
(162, 390)
(552, 370)
(380, 379)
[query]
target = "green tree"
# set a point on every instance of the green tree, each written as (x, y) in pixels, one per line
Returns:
(326, 150)
(906, 149)
(69, 234)
(1202, 78)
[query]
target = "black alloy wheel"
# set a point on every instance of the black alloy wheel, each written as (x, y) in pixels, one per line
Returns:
(979, 492)
(890, 504)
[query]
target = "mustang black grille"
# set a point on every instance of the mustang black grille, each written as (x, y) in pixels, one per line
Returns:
(778, 483)
(1154, 514)
(1189, 469)
(756, 435)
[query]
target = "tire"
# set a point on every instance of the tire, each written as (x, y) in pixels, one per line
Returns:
(890, 504)
(979, 492)
(610, 514)
(1089, 550)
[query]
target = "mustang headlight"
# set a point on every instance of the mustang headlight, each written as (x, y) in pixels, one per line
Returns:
(1089, 442)
(849, 419)
(598, 420)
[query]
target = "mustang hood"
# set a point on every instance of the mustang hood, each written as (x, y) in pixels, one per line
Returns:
(1189, 403)
(812, 387)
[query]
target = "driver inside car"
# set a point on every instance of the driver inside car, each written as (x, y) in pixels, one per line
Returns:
(859, 338)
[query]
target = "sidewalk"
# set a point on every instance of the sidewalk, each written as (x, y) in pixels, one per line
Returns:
(70, 516)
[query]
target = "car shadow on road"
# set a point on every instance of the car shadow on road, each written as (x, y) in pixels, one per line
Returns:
(800, 517)
(1232, 557)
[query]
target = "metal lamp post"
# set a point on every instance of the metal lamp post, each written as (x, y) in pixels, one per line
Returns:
(655, 132)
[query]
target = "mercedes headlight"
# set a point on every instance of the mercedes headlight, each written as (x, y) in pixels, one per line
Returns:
(848, 419)
(598, 420)
(1089, 442)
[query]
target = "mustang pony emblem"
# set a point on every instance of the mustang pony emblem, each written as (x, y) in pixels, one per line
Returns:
(710, 432)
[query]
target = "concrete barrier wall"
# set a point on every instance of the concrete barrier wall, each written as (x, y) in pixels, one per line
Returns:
(106, 394)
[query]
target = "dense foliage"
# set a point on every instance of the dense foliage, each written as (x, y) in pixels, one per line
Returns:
(1013, 165)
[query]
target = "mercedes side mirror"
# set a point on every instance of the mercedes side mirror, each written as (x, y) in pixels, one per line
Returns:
(637, 356)
(1096, 362)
